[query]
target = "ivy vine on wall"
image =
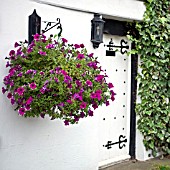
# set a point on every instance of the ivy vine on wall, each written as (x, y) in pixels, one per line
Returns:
(153, 47)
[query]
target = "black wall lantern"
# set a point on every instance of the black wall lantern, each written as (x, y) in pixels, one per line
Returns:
(97, 25)
(34, 25)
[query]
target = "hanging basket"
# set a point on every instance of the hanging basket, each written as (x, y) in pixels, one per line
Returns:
(52, 77)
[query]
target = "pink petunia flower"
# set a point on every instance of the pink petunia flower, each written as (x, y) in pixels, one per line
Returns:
(32, 85)
(69, 101)
(99, 78)
(80, 56)
(20, 91)
(29, 101)
(21, 111)
(83, 105)
(36, 37)
(42, 53)
(89, 83)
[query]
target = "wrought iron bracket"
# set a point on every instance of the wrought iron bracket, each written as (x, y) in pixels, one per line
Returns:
(111, 46)
(51, 25)
(121, 142)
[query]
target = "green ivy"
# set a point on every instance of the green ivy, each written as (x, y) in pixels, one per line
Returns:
(153, 47)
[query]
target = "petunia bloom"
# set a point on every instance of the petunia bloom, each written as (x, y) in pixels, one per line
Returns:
(20, 91)
(89, 83)
(36, 37)
(16, 45)
(80, 56)
(83, 105)
(90, 112)
(42, 53)
(66, 122)
(110, 85)
(32, 85)
(29, 101)
(64, 40)
(21, 111)
(9, 95)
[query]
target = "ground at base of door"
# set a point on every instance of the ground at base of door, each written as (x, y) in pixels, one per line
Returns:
(151, 164)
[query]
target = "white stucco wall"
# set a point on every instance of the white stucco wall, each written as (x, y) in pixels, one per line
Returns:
(42, 144)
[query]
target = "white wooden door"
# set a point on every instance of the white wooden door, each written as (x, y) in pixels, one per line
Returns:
(114, 128)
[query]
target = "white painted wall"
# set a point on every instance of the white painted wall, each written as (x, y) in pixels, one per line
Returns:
(42, 144)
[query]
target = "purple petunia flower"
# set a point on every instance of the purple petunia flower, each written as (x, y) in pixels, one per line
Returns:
(99, 91)
(61, 104)
(20, 74)
(76, 119)
(21, 111)
(69, 101)
(93, 95)
(63, 72)
(112, 98)
(29, 50)
(64, 40)
(20, 91)
(11, 83)
(107, 103)
(98, 96)
(83, 105)
(32, 85)
(29, 101)
(27, 107)
(16, 45)
(78, 83)
(82, 114)
(4, 90)
(41, 73)
(42, 90)
(42, 53)
(56, 80)
(90, 55)
(69, 86)
(19, 52)
(76, 46)
(89, 83)
(9, 95)
(12, 53)
(95, 106)
(80, 56)
(29, 71)
(78, 65)
(99, 78)
(90, 112)
(110, 85)
(51, 71)
(82, 45)
(7, 64)
(12, 101)
(49, 46)
(66, 122)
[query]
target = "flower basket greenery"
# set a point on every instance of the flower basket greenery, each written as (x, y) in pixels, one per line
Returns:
(51, 77)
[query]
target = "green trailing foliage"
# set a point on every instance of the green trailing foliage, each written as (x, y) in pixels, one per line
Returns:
(152, 44)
